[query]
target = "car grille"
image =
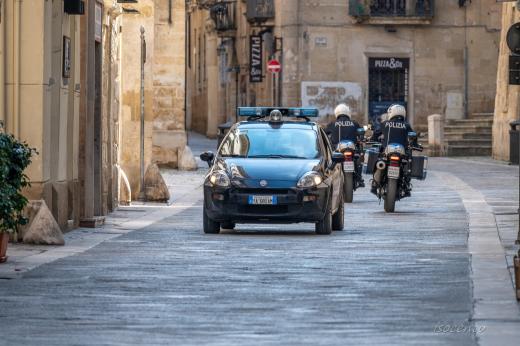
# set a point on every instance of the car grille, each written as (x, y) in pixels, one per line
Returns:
(263, 209)
(264, 191)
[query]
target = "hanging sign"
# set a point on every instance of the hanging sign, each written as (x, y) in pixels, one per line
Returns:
(255, 59)
(99, 22)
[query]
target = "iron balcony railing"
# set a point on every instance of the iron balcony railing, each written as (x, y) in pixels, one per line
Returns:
(223, 14)
(392, 8)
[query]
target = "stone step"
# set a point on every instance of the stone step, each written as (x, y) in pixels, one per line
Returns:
(467, 129)
(469, 142)
(483, 115)
(467, 135)
(478, 122)
(462, 150)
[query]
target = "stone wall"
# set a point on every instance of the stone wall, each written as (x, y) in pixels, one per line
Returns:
(324, 44)
(507, 105)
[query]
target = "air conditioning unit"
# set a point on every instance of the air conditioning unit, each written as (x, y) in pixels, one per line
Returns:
(74, 7)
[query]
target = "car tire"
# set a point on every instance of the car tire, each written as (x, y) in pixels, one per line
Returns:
(338, 219)
(228, 225)
(210, 225)
(325, 226)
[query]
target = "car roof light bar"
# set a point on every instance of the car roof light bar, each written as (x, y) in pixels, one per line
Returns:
(295, 112)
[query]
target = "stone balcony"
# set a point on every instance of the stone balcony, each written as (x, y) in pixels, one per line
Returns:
(392, 12)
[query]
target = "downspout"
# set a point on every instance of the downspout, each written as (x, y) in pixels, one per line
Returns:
(2, 62)
(16, 69)
(466, 64)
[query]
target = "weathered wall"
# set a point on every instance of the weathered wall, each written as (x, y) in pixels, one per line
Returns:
(41, 105)
(507, 105)
(168, 81)
(130, 91)
(436, 52)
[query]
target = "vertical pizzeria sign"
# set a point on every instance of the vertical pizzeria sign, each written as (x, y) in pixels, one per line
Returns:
(255, 59)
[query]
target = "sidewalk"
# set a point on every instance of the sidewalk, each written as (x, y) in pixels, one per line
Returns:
(489, 192)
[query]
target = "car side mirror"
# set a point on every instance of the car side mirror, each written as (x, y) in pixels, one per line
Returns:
(337, 158)
(208, 157)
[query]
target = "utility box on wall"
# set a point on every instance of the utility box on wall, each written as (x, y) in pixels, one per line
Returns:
(260, 10)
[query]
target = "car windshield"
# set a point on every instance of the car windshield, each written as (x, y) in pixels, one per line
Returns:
(271, 143)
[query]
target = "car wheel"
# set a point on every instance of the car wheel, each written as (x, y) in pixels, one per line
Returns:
(338, 219)
(228, 225)
(325, 226)
(210, 225)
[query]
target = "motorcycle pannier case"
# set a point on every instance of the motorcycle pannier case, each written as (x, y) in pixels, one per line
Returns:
(369, 165)
(419, 167)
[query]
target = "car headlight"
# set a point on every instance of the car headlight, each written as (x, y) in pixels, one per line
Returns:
(219, 178)
(310, 179)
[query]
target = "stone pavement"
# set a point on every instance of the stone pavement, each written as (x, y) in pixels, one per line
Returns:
(151, 277)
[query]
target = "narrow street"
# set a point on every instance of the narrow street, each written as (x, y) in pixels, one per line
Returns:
(387, 279)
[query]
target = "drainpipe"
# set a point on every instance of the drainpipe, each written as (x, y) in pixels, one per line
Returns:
(2, 62)
(16, 69)
(466, 65)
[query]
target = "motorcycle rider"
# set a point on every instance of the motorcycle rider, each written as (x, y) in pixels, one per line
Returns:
(394, 129)
(344, 128)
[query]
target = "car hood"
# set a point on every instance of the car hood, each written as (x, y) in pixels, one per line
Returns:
(278, 173)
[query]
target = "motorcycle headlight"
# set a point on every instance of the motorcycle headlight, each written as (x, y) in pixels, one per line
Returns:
(310, 179)
(219, 178)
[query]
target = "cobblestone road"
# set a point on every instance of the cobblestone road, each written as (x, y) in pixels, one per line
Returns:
(387, 279)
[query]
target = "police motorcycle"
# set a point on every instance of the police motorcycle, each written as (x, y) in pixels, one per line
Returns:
(352, 165)
(393, 170)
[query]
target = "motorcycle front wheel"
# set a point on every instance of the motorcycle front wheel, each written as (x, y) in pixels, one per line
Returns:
(391, 194)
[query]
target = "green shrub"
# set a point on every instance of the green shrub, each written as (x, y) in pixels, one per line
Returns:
(15, 157)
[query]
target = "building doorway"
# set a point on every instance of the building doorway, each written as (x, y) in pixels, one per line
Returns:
(387, 84)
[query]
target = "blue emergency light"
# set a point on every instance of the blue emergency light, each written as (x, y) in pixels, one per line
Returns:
(302, 112)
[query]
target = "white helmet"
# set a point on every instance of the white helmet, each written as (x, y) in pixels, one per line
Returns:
(342, 109)
(396, 111)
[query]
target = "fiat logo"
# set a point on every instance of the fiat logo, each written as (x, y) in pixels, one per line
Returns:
(263, 183)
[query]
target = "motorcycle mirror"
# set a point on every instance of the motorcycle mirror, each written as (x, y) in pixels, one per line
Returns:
(361, 131)
(412, 134)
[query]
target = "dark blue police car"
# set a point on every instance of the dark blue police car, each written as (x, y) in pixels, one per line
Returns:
(276, 167)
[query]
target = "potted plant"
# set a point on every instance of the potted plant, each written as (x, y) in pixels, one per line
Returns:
(15, 157)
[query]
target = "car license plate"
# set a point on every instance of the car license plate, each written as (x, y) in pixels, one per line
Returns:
(348, 166)
(393, 172)
(263, 200)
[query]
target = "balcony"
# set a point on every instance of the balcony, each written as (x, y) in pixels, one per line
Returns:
(223, 14)
(260, 10)
(392, 12)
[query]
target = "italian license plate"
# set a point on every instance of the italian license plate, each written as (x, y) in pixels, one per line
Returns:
(393, 172)
(263, 200)
(348, 166)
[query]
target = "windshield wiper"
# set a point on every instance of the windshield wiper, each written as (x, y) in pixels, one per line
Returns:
(233, 155)
(276, 156)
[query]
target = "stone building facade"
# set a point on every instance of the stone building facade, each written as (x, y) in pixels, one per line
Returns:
(69, 86)
(507, 105)
(432, 56)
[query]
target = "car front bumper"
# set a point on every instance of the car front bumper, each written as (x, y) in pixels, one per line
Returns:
(294, 205)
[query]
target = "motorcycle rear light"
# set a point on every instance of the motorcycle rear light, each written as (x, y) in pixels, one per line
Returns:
(218, 197)
(394, 158)
(309, 198)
